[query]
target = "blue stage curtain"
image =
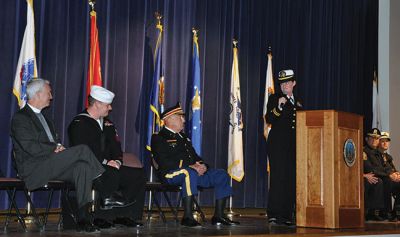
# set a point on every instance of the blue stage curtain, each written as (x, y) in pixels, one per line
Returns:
(331, 46)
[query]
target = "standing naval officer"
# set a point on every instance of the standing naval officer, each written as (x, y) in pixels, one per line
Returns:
(40, 157)
(93, 128)
(281, 150)
(180, 165)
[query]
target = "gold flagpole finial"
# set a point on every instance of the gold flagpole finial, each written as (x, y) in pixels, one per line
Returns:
(91, 4)
(235, 43)
(158, 17)
(194, 30)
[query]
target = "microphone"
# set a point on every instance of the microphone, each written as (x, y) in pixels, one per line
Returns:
(282, 104)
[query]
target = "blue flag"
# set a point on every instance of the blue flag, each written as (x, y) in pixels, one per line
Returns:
(157, 91)
(195, 104)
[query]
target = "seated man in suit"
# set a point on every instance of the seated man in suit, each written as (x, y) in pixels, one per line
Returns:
(391, 181)
(93, 128)
(40, 157)
(180, 165)
(373, 173)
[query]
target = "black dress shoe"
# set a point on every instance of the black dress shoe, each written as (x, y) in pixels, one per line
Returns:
(374, 216)
(126, 221)
(189, 222)
(86, 226)
(114, 202)
(215, 220)
(102, 224)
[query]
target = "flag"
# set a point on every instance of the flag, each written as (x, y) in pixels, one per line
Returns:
(94, 71)
(26, 67)
(235, 145)
(156, 106)
(269, 89)
(195, 105)
(376, 115)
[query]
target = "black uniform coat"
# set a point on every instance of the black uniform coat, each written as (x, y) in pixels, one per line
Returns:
(281, 151)
(373, 162)
(106, 145)
(172, 151)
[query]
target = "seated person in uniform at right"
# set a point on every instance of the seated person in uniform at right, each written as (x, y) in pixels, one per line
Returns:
(121, 188)
(391, 181)
(373, 173)
(40, 157)
(180, 165)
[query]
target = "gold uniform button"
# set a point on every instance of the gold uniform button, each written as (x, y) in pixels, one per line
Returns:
(292, 127)
(294, 115)
(294, 121)
(294, 109)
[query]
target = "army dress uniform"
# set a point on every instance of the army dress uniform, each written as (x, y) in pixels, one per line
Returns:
(174, 153)
(105, 144)
(281, 152)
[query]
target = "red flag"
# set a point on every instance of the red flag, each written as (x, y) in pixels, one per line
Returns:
(94, 72)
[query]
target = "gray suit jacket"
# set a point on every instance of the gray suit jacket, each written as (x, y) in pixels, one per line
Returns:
(31, 145)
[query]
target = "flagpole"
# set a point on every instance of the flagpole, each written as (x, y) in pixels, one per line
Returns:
(231, 213)
(160, 98)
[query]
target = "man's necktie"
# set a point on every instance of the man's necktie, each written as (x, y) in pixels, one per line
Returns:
(45, 126)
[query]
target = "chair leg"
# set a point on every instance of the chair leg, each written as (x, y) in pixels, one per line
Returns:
(159, 209)
(174, 211)
(35, 215)
(198, 209)
(46, 213)
(11, 197)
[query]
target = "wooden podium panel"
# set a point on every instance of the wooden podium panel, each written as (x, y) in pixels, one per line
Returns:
(329, 193)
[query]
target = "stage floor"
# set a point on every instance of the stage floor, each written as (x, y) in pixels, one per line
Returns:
(252, 223)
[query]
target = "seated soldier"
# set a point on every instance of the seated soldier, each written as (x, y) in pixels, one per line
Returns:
(373, 173)
(93, 128)
(391, 181)
(180, 165)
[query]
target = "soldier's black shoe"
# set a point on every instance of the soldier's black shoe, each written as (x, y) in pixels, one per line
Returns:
(189, 222)
(215, 220)
(114, 202)
(102, 224)
(272, 221)
(86, 226)
(374, 216)
(128, 222)
(392, 217)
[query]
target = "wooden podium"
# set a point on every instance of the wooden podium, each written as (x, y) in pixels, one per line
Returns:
(330, 192)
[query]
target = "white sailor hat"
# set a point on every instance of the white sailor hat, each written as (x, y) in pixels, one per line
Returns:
(101, 94)
(384, 135)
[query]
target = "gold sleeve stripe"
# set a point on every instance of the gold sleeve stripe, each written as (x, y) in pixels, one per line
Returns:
(276, 112)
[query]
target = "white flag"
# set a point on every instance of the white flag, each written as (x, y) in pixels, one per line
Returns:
(26, 67)
(235, 147)
(376, 115)
(269, 89)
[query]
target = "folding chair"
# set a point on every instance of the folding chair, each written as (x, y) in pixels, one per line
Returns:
(11, 185)
(173, 188)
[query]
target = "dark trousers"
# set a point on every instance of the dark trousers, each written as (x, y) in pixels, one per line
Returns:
(390, 188)
(189, 180)
(373, 195)
(282, 190)
(77, 165)
(130, 182)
